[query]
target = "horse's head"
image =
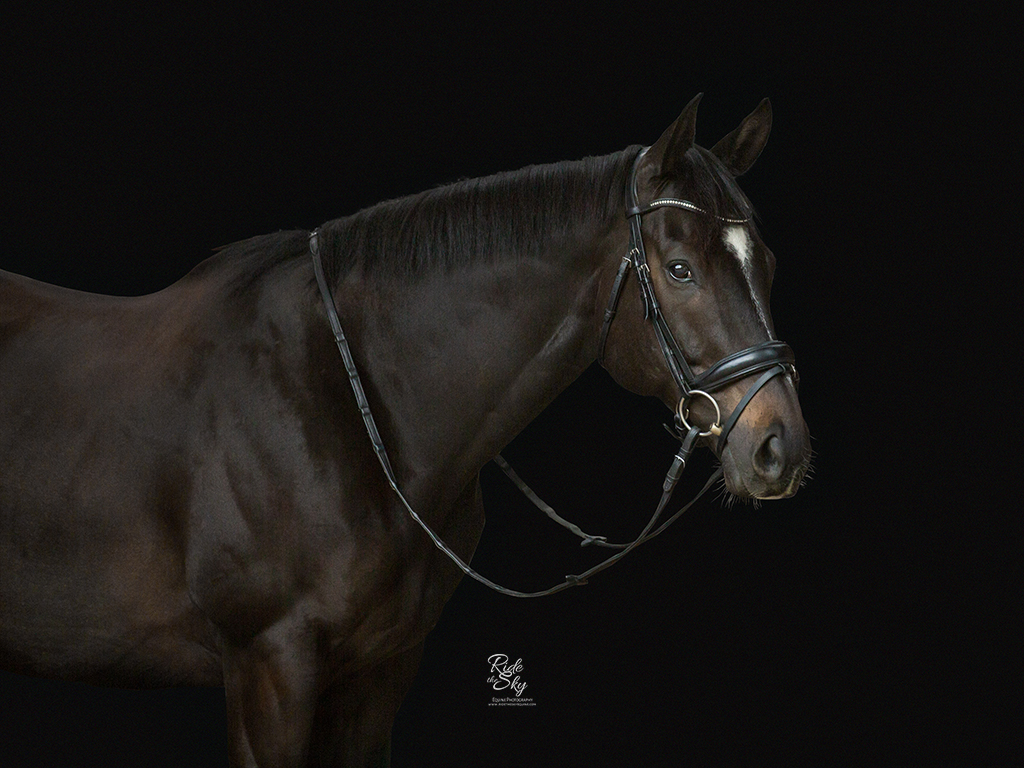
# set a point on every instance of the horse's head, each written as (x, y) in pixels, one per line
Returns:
(710, 278)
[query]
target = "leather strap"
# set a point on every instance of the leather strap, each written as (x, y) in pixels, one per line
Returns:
(349, 361)
(676, 360)
(613, 304)
(744, 363)
(753, 390)
(671, 478)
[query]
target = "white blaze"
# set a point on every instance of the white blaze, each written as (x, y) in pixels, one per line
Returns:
(737, 240)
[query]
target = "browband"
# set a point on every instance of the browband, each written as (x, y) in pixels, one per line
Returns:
(672, 202)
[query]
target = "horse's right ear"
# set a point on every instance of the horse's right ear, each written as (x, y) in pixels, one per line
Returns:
(740, 149)
(668, 153)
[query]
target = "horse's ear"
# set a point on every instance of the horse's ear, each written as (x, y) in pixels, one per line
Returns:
(667, 153)
(740, 149)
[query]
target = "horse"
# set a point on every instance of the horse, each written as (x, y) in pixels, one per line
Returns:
(188, 492)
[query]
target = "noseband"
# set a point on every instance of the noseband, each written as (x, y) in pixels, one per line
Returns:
(769, 358)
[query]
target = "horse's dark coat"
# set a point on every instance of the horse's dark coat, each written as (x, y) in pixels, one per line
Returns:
(187, 495)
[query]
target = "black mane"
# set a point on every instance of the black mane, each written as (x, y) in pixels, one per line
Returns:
(515, 213)
(455, 225)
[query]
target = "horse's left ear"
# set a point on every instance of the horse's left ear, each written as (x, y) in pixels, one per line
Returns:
(668, 153)
(740, 149)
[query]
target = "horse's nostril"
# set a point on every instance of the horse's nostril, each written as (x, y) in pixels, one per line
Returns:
(770, 458)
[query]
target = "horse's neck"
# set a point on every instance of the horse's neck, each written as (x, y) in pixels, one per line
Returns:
(463, 361)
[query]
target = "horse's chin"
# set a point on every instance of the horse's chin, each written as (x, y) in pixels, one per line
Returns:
(744, 484)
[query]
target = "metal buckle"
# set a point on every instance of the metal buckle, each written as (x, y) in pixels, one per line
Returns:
(683, 411)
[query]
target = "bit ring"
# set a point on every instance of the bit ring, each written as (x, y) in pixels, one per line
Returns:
(683, 411)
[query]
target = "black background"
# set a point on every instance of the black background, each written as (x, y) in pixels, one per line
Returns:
(867, 620)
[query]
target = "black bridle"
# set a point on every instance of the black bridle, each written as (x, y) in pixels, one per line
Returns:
(770, 359)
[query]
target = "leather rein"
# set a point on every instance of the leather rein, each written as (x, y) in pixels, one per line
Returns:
(771, 358)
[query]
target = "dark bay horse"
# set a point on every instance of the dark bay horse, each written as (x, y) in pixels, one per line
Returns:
(187, 492)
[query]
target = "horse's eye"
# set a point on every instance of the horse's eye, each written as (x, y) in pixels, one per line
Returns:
(680, 270)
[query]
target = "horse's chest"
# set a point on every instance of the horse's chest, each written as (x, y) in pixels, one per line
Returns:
(392, 597)
(372, 582)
